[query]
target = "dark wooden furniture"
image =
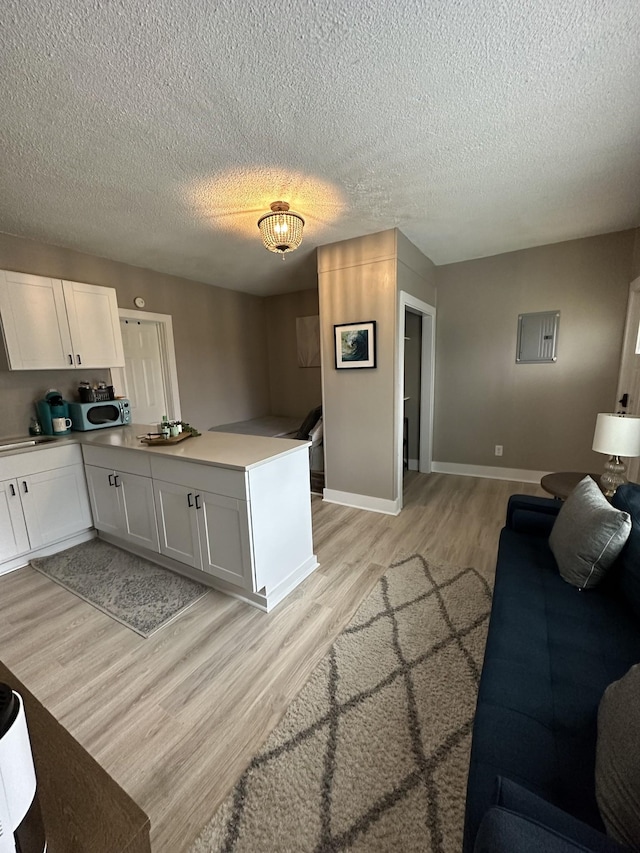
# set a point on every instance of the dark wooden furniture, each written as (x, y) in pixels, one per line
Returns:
(561, 485)
(83, 809)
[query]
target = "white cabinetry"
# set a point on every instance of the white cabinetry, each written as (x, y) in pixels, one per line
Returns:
(122, 497)
(206, 531)
(52, 324)
(43, 500)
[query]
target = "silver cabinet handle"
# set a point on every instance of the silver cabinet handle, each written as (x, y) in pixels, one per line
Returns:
(111, 483)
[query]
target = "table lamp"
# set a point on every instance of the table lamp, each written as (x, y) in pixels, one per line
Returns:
(616, 435)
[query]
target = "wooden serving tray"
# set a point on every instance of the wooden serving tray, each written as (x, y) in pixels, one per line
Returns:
(173, 439)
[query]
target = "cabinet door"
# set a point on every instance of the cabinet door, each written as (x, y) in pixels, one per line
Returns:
(224, 538)
(94, 325)
(34, 322)
(55, 504)
(105, 505)
(177, 522)
(138, 510)
(13, 530)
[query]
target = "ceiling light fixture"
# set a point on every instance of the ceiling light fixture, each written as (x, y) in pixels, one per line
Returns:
(281, 230)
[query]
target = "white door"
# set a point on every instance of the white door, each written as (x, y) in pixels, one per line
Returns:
(629, 378)
(143, 370)
(35, 322)
(104, 499)
(177, 522)
(138, 510)
(224, 538)
(94, 324)
(55, 504)
(13, 530)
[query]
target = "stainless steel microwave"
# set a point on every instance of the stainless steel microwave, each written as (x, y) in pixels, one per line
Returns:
(86, 416)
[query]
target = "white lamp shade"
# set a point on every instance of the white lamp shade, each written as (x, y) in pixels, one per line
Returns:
(617, 435)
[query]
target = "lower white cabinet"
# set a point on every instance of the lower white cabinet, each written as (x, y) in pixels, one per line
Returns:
(122, 504)
(14, 538)
(205, 530)
(41, 507)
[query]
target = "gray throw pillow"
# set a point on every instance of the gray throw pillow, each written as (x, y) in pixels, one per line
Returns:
(588, 535)
(618, 759)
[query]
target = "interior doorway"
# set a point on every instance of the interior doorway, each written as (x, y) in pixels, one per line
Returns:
(415, 319)
(629, 376)
(149, 378)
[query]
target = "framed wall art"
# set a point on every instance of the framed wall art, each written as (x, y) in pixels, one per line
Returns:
(355, 345)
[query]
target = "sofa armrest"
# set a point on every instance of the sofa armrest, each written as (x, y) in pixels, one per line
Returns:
(530, 514)
(504, 831)
(524, 822)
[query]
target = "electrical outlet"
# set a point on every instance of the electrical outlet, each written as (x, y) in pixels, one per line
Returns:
(498, 450)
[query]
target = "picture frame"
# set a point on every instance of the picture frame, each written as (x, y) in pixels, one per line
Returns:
(355, 345)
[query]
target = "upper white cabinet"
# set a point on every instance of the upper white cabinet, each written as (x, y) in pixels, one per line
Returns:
(52, 324)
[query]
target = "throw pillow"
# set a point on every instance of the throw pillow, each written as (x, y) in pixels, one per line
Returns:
(588, 535)
(618, 759)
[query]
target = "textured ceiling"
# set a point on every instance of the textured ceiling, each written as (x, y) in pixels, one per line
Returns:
(156, 133)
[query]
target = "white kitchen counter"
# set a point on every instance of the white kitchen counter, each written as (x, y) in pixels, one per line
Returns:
(222, 449)
(225, 450)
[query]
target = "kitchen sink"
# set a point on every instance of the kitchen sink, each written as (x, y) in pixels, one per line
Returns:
(19, 443)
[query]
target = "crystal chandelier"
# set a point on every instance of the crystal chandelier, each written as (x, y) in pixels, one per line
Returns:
(281, 230)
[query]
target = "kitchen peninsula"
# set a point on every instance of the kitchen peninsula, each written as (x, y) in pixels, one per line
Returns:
(233, 511)
(230, 510)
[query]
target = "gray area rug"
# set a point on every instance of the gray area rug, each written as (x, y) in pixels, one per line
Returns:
(135, 591)
(373, 754)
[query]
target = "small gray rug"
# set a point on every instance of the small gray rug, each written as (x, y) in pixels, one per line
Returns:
(373, 754)
(130, 589)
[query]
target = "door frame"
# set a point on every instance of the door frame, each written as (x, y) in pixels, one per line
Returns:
(167, 357)
(630, 348)
(427, 385)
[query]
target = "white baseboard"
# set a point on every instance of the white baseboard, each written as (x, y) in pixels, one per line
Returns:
(382, 505)
(519, 475)
(414, 465)
(62, 545)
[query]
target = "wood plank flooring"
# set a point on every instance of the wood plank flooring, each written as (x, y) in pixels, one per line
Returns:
(175, 718)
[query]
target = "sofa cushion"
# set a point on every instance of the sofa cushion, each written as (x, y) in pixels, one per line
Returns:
(588, 535)
(618, 758)
(627, 498)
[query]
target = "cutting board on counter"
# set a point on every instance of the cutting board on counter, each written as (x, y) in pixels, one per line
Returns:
(173, 439)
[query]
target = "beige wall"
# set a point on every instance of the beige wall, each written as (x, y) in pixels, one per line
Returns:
(358, 281)
(294, 390)
(543, 414)
(220, 335)
(635, 267)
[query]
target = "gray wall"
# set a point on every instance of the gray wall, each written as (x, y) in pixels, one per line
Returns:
(220, 336)
(543, 414)
(358, 281)
(294, 390)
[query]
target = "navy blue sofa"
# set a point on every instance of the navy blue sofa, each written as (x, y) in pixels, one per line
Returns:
(551, 652)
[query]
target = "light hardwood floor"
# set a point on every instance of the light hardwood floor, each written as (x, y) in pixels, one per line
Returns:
(175, 718)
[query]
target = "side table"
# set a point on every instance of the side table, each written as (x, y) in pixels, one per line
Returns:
(562, 483)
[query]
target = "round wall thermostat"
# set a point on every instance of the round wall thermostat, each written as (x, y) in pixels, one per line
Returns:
(138, 302)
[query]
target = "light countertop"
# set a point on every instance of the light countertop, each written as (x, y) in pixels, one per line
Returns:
(225, 450)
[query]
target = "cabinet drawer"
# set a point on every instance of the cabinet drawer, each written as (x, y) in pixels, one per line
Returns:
(44, 458)
(129, 461)
(220, 481)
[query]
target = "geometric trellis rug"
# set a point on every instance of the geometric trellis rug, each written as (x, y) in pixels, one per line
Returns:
(372, 755)
(134, 591)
